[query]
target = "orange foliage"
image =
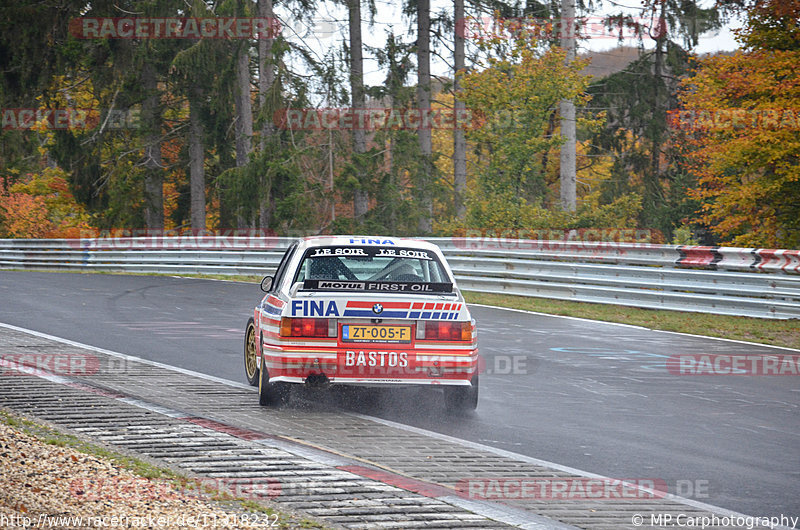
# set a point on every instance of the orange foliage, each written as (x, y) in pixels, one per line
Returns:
(25, 216)
(41, 206)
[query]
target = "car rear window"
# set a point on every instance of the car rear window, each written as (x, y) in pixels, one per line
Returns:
(372, 268)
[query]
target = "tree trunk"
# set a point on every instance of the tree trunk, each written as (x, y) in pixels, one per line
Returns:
(459, 140)
(567, 108)
(660, 103)
(244, 115)
(332, 197)
(388, 160)
(361, 196)
(154, 170)
(424, 102)
(197, 174)
(266, 78)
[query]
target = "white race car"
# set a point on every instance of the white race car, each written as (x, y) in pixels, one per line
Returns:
(353, 310)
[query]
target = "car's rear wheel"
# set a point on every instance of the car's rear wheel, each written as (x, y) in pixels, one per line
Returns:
(462, 398)
(250, 353)
(271, 393)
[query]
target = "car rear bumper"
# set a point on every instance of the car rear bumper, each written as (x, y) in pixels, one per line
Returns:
(371, 366)
(376, 382)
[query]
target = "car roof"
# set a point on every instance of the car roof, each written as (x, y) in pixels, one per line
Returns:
(366, 241)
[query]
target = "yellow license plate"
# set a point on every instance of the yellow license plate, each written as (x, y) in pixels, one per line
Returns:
(352, 333)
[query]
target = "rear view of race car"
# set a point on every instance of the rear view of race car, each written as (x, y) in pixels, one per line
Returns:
(362, 311)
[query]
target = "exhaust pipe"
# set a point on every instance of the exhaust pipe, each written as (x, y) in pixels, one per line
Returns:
(315, 380)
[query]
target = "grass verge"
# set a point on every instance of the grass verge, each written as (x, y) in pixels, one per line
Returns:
(784, 333)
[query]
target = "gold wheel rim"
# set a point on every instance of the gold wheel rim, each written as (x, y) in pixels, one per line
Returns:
(250, 361)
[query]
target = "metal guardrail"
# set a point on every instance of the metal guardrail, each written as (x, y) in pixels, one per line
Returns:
(747, 282)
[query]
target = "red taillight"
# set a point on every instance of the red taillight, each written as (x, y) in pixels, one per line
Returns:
(448, 331)
(304, 327)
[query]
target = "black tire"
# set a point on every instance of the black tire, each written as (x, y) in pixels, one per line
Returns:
(250, 353)
(462, 398)
(271, 394)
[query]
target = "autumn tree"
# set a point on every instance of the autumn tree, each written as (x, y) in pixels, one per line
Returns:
(513, 99)
(740, 115)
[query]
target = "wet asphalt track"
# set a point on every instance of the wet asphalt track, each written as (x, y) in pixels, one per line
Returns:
(592, 396)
